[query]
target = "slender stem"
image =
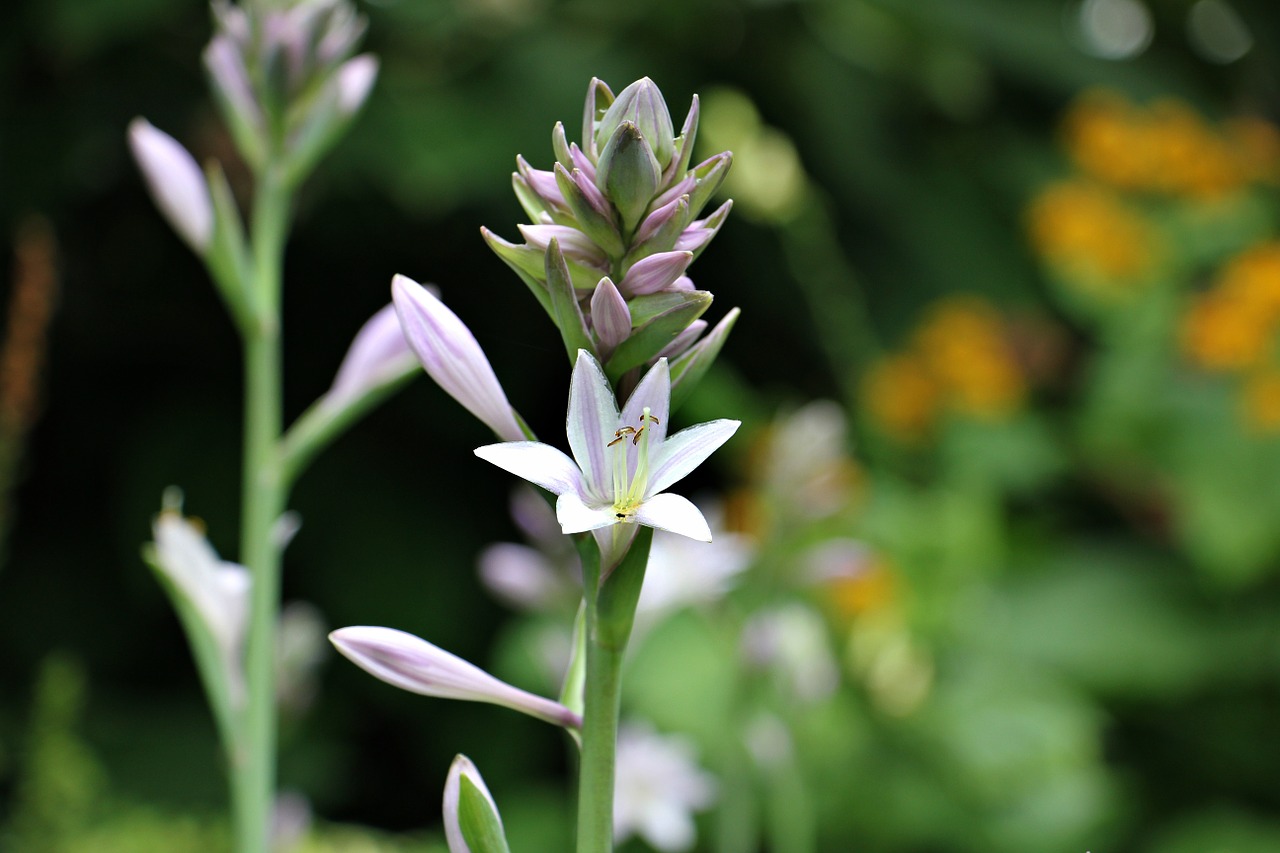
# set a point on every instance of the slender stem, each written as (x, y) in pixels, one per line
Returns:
(253, 767)
(599, 740)
(612, 592)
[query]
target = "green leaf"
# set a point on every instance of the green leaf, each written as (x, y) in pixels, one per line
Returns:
(649, 337)
(564, 302)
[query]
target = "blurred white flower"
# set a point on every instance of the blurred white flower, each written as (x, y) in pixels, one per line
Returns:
(659, 787)
(685, 573)
(791, 642)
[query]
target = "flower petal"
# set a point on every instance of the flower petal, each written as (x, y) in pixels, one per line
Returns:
(675, 514)
(688, 449)
(593, 417)
(653, 393)
(538, 463)
(576, 517)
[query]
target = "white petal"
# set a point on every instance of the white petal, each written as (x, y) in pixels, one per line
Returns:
(676, 514)
(576, 517)
(593, 417)
(653, 392)
(461, 766)
(378, 354)
(176, 183)
(688, 449)
(538, 463)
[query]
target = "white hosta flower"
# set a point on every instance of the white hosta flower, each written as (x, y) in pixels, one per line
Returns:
(622, 462)
(791, 642)
(659, 786)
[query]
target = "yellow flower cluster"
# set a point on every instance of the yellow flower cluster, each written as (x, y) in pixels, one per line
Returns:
(1167, 147)
(959, 360)
(1233, 327)
(1091, 236)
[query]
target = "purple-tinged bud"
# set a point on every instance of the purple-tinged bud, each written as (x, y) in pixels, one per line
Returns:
(379, 354)
(452, 357)
(709, 175)
(688, 369)
(599, 99)
(177, 185)
(235, 94)
(573, 242)
(654, 273)
(628, 173)
(586, 184)
(684, 186)
(683, 284)
(560, 145)
(610, 317)
(642, 105)
(355, 78)
(482, 810)
(543, 183)
(663, 226)
(684, 340)
(581, 161)
(696, 237)
(413, 664)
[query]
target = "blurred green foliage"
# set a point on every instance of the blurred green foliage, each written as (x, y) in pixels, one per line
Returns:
(1060, 633)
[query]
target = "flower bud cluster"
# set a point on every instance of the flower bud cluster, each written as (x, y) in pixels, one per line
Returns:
(615, 225)
(284, 76)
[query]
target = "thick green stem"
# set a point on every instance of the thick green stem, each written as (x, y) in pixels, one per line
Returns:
(253, 765)
(611, 596)
(599, 741)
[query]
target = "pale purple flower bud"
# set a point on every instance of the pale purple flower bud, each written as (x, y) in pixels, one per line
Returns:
(700, 232)
(683, 283)
(654, 273)
(581, 161)
(355, 78)
(573, 243)
(452, 357)
(462, 767)
(413, 664)
(610, 316)
(684, 186)
(379, 354)
(587, 183)
(543, 183)
(683, 341)
(660, 216)
(177, 185)
(231, 80)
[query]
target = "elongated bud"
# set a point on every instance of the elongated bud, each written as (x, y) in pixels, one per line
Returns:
(413, 664)
(356, 77)
(654, 273)
(610, 317)
(642, 105)
(177, 185)
(599, 99)
(452, 357)
(234, 92)
(471, 820)
(684, 340)
(379, 354)
(573, 242)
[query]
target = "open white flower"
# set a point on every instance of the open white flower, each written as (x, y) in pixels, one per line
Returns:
(622, 462)
(659, 787)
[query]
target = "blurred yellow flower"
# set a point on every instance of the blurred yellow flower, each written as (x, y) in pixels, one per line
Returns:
(1092, 236)
(1167, 147)
(959, 359)
(963, 342)
(902, 396)
(1233, 325)
(1260, 401)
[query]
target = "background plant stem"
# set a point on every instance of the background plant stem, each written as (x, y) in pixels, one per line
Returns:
(253, 768)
